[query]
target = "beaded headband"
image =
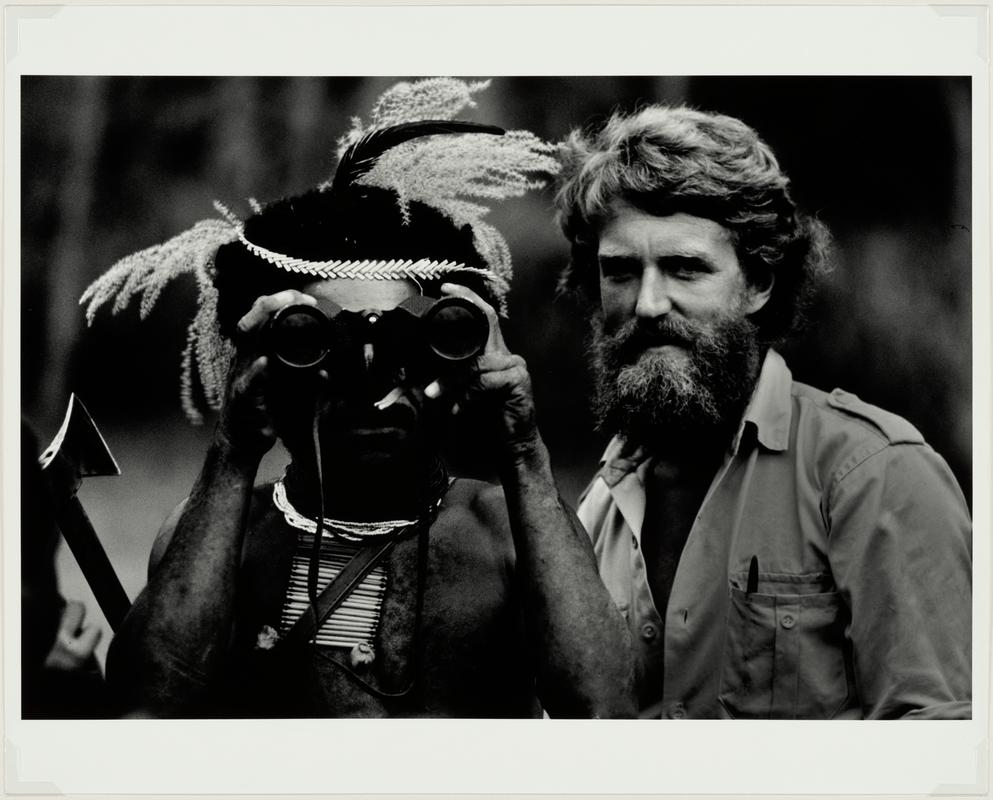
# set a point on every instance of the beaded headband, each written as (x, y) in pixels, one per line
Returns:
(411, 147)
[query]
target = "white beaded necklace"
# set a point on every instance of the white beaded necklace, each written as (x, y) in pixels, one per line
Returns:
(348, 530)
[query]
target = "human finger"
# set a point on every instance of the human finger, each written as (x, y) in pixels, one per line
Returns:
(513, 376)
(72, 618)
(245, 422)
(264, 306)
(445, 385)
(494, 340)
(251, 376)
(84, 644)
(497, 361)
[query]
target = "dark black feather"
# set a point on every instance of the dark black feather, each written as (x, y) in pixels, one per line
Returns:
(361, 156)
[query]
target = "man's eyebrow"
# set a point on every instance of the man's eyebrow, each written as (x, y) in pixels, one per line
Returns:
(617, 256)
(687, 259)
(618, 262)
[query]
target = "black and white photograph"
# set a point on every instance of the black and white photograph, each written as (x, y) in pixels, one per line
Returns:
(486, 397)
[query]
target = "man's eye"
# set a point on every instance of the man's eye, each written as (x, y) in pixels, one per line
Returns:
(686, 267)
(619, 271)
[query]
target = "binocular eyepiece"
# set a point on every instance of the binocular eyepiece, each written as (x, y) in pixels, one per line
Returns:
(419, 330)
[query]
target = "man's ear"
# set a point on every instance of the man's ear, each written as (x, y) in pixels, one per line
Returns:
(757, 293)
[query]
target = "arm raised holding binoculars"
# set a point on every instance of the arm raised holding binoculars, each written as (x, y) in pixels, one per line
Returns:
(174, 640)
(577, 636)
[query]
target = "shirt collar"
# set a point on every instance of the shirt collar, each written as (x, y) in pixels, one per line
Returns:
(620, 459)
(769, 411)
(770, 408)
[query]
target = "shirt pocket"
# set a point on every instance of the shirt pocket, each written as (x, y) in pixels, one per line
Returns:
(785, 655)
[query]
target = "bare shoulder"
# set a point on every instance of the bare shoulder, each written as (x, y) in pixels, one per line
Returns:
(163, 538)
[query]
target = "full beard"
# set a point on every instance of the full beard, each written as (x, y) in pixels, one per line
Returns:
(649, 398)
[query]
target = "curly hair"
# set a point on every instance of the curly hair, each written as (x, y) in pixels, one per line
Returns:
(670, 159)
(366, 223)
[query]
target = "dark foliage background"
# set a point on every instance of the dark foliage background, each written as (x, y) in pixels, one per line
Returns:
(113, 165)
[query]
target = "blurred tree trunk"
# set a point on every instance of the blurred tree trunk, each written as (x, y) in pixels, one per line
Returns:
(239, 156)
(307, 141)
(66, 272)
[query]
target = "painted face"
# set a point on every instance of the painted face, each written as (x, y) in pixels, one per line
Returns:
(674, 343)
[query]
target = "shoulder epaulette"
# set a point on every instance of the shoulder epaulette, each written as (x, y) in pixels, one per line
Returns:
(895, 428)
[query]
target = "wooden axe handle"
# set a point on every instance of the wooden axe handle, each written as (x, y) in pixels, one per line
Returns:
(93, 561)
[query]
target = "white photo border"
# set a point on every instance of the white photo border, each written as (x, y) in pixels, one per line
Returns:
(499, 757)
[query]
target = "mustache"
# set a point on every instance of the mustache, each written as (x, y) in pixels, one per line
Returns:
(628, 342)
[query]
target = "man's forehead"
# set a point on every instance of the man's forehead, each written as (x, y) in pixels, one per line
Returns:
(630, 230)
(357, 294)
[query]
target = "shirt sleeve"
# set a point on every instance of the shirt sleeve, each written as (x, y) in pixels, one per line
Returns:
(901, 552)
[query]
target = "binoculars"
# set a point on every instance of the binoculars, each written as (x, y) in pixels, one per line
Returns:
(419, 334)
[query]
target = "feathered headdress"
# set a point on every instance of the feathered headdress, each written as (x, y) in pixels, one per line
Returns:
(411, 146)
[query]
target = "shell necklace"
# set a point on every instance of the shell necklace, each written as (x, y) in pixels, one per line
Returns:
(348, 530)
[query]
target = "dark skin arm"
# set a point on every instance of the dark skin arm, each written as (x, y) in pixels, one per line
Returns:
(577, 636)
(172, 643)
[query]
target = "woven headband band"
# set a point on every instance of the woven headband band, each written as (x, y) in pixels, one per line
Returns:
(393, 269)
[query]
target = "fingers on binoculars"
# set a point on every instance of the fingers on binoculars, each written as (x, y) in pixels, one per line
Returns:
(499, 362)
(492, 371)
(434, 390)
(440, 387)
(251, 375)
(510, 374)
(264, 306)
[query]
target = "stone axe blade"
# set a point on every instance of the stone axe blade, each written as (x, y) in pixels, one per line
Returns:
(79, 451)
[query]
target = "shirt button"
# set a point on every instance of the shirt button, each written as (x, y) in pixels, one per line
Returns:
(788, 621)
(649, 632)
(678, 711)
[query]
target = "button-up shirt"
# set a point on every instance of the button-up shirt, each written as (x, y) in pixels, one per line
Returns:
(859, 603)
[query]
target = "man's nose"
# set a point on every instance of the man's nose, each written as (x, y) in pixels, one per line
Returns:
(653, 294)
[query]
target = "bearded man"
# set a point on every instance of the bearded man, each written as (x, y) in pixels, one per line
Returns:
(778, 551)
(365, 582)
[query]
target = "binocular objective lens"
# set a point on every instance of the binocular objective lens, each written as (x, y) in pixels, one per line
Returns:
(298, 338)
(457, 331)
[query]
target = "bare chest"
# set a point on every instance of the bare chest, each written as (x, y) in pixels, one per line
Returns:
(447, 639)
